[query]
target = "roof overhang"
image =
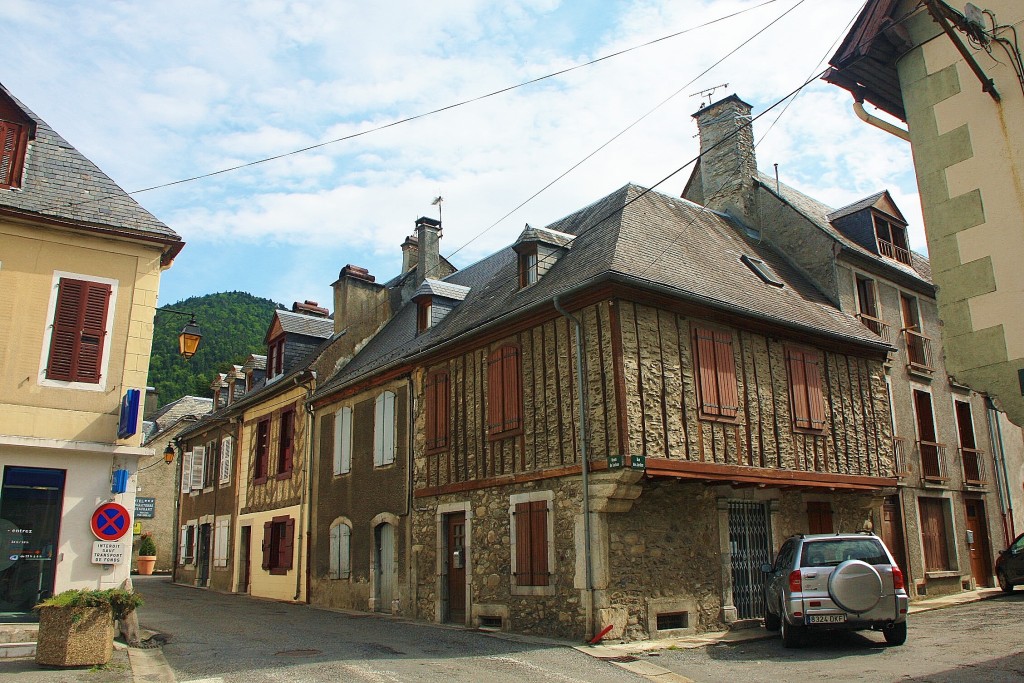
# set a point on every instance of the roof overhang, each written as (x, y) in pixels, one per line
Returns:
(740, 475)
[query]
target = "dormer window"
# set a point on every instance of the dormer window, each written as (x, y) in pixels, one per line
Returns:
(424, 314)
(275, 358)
(892, 239)
(13, 141)
(435, 299)
(538, 249)
(528, 266)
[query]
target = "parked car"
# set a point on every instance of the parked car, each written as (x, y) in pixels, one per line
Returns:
(835, 581)
(1010, 565)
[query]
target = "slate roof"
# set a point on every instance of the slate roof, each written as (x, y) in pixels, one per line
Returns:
(170, 414)
(633, 236)
(821, 215)
(60, 182)
(308, 325)
(440, 288)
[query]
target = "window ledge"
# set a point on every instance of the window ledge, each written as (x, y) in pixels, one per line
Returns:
(948, 574)
(259, 480)
(498, 436)
(532, 590)
(283, 475)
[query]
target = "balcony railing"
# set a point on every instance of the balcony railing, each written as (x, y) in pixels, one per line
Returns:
(974, 466)
(919, 351)
(877, 326)
(900, 457)
(933, 461)
(897, 253)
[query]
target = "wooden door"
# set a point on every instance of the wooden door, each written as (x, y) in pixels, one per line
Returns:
(385, 551)
(203, 556)
(892, 534)
(819, 518)
(981, 564)
(244, 560)
(455, 567)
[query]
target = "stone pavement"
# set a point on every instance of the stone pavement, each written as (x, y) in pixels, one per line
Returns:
(133, 665)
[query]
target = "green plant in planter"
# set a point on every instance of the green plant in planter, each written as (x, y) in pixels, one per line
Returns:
(76, 627)
(122, 602)
(147, 547)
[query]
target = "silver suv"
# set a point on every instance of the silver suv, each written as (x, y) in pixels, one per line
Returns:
(835, 581)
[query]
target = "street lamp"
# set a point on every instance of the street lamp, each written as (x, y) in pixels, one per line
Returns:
(188, 340)
(169, 454)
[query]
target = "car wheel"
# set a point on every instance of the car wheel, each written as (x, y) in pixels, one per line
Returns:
(792, 635)
(1004, 583)
(897, 635)
(772, 622)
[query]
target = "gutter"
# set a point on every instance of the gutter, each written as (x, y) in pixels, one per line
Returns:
(305, 506)
(863, 115)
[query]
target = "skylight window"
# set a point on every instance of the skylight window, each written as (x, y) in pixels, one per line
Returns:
(762, 270)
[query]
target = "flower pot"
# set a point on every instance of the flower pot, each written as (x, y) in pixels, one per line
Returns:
(75, 636)
(146, 564)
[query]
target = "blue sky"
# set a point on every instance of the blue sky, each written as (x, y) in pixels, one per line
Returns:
(158, 92)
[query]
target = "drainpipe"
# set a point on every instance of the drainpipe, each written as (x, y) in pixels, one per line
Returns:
(306, 379)
(1002, 478)
(410, 462)
(863, 115)
(584, 465)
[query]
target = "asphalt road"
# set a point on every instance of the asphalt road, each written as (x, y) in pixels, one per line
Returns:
(240, 639)
(975, 642)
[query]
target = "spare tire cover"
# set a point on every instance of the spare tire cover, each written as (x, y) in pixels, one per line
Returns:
(855, 586)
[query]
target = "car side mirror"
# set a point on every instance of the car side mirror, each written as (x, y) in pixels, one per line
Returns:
(766, 568)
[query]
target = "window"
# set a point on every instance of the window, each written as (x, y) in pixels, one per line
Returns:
(531, 531)
(528, 266)
(343, 441)
(761, 269)
(285, 444)
(933, 466)
(384, 429)
(198, 468)
(278, 542)
(892, 240)
(275, 358)
(970, 456)
(341, 543)
(13, 142)
(209, 463)
(79, 331)
(805, 389)
(437, 412)
(186, 472)
(918, 345)
(504, 392)
(934, 534)
(262, 451)
(220, 542)
(227, 452)
(867, 307)
(819, 518)
(187, 544)
(424, 314)
(716, 374)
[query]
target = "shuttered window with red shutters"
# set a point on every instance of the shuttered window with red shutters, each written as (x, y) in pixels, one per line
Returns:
(262, 451)
(13, 139)
(716, 372)
(806, 398)
(437, 411)
(284, 453)
(532, 543)
(278, 544)
(79, 331)
(504, 392)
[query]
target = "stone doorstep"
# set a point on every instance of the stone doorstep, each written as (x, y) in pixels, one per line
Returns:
(18, 633)
(9, 650)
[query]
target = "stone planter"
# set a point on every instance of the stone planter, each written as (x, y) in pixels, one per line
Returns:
(75, 636)
(146, 564)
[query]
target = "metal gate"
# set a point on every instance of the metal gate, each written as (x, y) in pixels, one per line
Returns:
(750, 545)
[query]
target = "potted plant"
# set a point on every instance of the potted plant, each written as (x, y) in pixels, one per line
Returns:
(147, 554)
(76, 627)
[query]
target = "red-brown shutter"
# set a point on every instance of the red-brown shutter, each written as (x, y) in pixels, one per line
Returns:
(268, 534)
(437, 411)
(815, 396)
(494, 392)
(539, 543)
(284, 557)
(79, 329)
(725, 366)
(706, 371)
(798, 388)
(10, 135)
(513, 394)
(523, 568)
(287, 437)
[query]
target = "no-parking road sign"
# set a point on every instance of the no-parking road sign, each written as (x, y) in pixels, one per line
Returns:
(110, 522)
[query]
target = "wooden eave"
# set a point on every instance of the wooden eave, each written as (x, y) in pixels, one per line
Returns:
(739, 475)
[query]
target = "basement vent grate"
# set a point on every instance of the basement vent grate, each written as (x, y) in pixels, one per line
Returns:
(490, 622)
(672, 620)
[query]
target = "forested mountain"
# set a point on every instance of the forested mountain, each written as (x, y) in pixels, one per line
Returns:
(233, 325)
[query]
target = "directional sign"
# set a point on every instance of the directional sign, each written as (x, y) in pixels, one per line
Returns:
(110, 522)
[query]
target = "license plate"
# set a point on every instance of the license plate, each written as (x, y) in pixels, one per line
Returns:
(826, 619)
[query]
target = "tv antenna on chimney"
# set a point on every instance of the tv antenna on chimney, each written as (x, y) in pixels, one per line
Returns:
(708, 93)
(437, 202)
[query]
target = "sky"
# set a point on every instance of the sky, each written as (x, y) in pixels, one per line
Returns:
(155, 93)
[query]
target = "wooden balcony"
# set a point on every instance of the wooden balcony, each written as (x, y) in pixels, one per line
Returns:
(899, 451)
(919, 351)
(896, 253)
(973, 463)
(933, 462)
(877, 326)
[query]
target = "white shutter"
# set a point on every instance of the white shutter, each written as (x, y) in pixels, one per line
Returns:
(343, 441)
(198, 463)
(384, 429)
(220, 542)
(182, 543)
(227, 451)
(344, 544)
(186, 472)
(335, 569)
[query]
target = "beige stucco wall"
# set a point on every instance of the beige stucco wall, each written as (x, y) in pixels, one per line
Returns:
(288, 586)
(969, 158)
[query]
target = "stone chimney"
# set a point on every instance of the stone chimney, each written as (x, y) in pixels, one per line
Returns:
(727, 163)
(310, 308)
(410, 253)
(428, 238)
(357, 301)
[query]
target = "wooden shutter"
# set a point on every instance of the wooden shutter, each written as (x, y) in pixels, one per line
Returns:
(186, 472)
(284, 460)
(494, 392)
(805, 388)
(268, 537)
(933, 534)
(220, 543)
(344, 440)
(524, 574)
(965, 424)
(345, 552)
(504, 391)
(198, 467)
(227, 451)
(384, 429)
(334, 570)
(182, 543)
(79, 330)
(437, 411)
(262, 448)
(284, 557)
(815, 395)
(11, 138)
(716, 367)
(532, 543)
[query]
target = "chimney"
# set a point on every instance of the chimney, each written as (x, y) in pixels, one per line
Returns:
(410, 253)
(727, 163)
(310, 308)
(428, 238)
(356, 299)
